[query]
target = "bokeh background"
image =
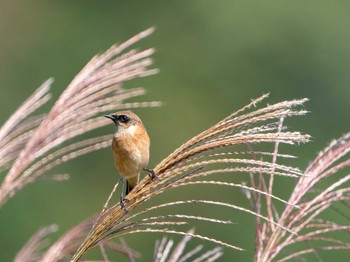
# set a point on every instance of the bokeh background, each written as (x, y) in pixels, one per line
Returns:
(213, 56)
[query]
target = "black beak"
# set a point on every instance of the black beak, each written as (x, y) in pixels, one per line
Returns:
(112, 117)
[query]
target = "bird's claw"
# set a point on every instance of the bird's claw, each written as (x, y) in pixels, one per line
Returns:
(122, 204)
(152, 174)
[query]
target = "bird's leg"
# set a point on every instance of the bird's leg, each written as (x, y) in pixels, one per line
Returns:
(122, 198)
(151, 173)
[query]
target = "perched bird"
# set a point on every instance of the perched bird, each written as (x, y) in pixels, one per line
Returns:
(130, 146)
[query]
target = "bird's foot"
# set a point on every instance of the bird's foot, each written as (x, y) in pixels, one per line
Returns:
(152, 174)
(122, 204)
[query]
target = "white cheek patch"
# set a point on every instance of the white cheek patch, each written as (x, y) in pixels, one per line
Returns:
(131, 129)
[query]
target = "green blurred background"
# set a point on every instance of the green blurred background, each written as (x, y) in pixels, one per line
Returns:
(213, 56)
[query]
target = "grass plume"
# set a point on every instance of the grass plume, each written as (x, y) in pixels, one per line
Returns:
(321, 189)
(31, 145)
(164, 247)
(197, 158)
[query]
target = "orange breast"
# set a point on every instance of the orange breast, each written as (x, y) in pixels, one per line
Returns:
(131, 155)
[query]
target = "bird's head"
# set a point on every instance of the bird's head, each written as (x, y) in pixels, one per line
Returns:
(126, 121)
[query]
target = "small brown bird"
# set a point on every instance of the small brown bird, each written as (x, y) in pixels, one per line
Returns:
(130, 147)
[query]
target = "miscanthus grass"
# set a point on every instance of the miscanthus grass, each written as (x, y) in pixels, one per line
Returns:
(247, 142)
(31, 144)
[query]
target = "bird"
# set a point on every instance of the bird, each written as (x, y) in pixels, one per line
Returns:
(130, 147)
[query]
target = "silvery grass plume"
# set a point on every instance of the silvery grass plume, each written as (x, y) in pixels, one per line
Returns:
(215, 151)
(38, 247)
(322, 219)
(31, 251)
(31, 145)
(166, 251)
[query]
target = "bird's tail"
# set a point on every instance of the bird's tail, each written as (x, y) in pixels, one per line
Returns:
(128, 188)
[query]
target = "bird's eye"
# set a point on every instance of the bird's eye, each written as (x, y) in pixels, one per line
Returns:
(123, 118)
